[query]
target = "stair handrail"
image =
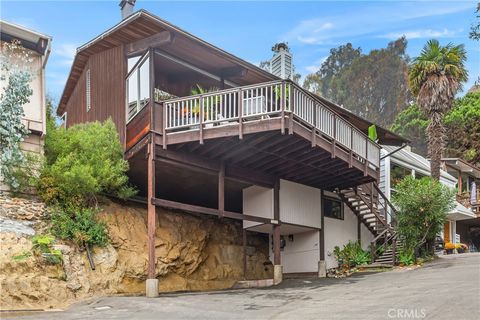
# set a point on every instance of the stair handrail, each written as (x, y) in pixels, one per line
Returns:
(388, 202)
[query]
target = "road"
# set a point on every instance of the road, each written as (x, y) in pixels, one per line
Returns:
(448, 288)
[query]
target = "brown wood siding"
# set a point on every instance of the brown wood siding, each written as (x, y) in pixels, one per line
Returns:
(107, 81)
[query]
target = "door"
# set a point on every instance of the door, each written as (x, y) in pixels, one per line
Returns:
(446, 232)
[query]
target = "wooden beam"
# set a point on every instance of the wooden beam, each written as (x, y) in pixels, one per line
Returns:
(157, 40)
(221, 189)
(151, 214)
(211, 166)
(204, 210)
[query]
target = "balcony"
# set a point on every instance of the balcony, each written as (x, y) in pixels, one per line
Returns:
(281, 102)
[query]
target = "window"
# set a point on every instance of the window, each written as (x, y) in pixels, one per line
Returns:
(138, 85)
(397, 173)
(332, 208)
(87, 86)
(63, 119)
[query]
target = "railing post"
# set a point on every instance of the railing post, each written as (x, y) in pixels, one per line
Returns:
(334, 142)
(240, 114)
(164, 128)
(292, 99)
(366, 157)
(350, 155)
(314, 129)
(202, 112)
(394, 251)
(283, 96)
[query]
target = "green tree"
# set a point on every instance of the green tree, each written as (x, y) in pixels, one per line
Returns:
(411, 124)
(422, 207)
(13, 71)
(323, 82)
(435, 77)
(463, 128)
(475, 29)
(373, 86)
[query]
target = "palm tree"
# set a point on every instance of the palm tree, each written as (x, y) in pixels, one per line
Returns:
(435, 77)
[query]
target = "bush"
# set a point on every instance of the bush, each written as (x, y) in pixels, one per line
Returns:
(351, 255)
(79, 225)
(42, 246)
(423, 205)
(83, 162)
(406, 257)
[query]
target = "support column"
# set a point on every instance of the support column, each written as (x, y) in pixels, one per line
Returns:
(277, 263)
(244, 253)
(221, 189)
(152, 282)
(322, 266)
(359, 230)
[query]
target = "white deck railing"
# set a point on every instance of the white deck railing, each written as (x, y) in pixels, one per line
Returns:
(267, 100)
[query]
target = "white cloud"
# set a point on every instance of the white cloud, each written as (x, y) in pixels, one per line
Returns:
(418, 34)
(66, 53)
(371, 21)
(316, 66)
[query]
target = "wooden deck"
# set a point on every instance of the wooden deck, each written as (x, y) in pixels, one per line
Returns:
(275, 128)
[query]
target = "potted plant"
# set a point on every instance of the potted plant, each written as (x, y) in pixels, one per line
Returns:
(208, 103)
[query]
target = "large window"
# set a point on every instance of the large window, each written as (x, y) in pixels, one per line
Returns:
(138, 85)
(332, 208)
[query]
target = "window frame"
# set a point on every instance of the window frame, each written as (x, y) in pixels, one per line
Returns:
(333, 199)
(136, 68)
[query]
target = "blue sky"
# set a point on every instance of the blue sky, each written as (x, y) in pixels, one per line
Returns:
(249, 29)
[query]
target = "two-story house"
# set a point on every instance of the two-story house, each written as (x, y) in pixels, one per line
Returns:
(206, 132)
(38, 47)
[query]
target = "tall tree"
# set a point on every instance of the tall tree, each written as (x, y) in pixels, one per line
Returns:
(475, 29)
(373, 86)
(323, 81)
(435, 76)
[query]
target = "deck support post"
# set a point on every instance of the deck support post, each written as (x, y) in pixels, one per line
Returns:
(322, 266)
(151, 288)
(244, 242)
(277, 263)
(221, 190)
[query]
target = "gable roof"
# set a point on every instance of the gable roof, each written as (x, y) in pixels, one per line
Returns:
(143, 24)
(29, 38)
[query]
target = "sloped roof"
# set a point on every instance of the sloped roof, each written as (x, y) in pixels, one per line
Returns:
(415, 161)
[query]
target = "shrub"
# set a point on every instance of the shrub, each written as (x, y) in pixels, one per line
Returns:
(42, 246)
(422, 205)
(406, 257)
(79, 225)
(351, 255)
(83, 162)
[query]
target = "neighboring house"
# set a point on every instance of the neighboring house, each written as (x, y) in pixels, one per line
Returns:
(38, 46)
(468, 188)
(396, 165)
(258, 149)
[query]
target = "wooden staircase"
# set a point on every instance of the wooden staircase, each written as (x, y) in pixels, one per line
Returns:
(377, 213)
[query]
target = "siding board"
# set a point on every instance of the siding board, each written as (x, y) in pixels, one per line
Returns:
(107, 76)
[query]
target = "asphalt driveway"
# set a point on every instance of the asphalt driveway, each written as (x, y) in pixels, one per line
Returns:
(448, 288)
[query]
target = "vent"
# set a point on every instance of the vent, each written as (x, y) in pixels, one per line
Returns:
(87, 90)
